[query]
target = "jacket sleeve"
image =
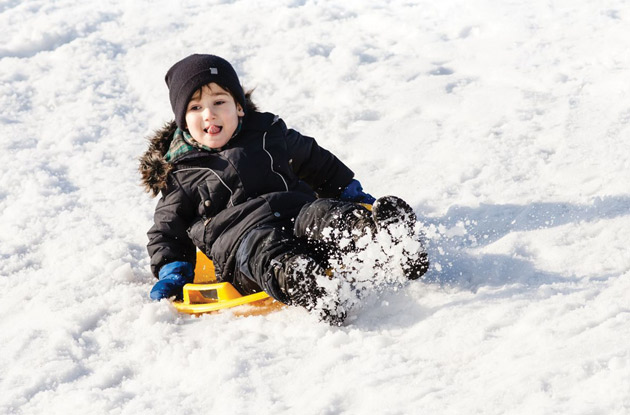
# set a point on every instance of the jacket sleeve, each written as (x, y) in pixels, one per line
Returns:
(168, 239)
(318, 167)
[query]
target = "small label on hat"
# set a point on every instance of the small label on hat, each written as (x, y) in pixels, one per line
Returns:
(214, 71)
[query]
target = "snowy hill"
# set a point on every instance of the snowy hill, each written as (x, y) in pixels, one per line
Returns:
(504, 124)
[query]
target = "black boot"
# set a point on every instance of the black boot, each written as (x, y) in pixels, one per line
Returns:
(297, 276)
(390, 212)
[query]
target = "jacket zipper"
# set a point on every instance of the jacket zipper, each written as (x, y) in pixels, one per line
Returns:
(286, 186)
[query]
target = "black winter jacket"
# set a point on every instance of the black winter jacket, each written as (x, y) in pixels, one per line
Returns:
(211, 199)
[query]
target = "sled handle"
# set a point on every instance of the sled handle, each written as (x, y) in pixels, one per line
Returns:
(209, 293)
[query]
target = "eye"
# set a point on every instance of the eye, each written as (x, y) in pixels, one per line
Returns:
(194, 108)
(219, 102)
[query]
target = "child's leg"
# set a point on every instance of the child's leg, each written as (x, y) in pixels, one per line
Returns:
(254, 255)
(271, 258)
(339, 224)
(334, 223)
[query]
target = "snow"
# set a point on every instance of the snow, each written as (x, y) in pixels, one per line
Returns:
(504, 124)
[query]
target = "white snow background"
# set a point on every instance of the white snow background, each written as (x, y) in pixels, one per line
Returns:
(505, 124)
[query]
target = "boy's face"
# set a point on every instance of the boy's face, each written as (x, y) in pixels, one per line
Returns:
(212, 116)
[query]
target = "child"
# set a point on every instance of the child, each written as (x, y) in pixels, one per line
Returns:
(268, 205)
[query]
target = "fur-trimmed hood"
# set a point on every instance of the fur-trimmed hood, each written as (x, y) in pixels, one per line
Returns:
(153, 167)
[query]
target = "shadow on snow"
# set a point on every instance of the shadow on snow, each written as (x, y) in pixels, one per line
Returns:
(464, 228)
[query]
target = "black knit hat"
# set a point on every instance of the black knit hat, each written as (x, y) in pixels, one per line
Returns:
(195, 71)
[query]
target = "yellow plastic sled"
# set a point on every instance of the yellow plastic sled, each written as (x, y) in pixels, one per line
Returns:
(206, 295)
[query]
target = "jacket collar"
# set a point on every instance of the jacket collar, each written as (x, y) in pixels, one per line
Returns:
(154, 165)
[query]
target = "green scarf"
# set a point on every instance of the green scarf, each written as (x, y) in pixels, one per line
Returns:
(184, 143)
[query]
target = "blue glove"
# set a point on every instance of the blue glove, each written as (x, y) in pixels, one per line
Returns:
(354, 193)
(173, 277)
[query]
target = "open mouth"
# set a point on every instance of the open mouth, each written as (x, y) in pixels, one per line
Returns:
(213, 129)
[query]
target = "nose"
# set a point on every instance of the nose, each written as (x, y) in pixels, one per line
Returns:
(207, 113)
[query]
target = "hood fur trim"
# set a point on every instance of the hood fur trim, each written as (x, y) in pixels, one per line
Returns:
(153, 167)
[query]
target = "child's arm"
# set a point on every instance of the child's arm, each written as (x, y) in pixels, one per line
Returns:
(168, 238)
(318, 167)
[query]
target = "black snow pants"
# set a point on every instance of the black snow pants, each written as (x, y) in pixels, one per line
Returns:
(317, 232)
